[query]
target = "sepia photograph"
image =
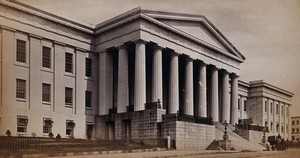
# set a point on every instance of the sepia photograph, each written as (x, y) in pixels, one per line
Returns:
(149, 78)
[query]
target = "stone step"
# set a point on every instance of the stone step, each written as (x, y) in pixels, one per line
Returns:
(238, 142)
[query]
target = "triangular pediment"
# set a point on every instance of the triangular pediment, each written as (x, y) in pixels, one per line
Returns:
(196, 27)
(197, 30)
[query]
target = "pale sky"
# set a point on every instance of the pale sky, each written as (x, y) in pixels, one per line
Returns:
(266, 32)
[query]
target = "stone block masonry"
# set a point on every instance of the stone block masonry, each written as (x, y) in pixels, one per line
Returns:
(189, 135)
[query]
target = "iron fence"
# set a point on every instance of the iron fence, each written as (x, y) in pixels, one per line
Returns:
(187, 118)
(253, 127)
(48, 144)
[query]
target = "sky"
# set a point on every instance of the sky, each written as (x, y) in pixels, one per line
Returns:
(266, 32)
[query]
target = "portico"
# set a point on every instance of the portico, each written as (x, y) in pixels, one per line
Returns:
(186, 79)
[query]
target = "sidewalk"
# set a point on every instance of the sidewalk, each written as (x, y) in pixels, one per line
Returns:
(150, 154)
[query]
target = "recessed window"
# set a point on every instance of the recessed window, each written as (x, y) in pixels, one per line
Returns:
(282, 110)
(69, 62)
(88, 99)
(22, 122)
(88, 67)
(297, 122)
(239, 104)
(277, 109)
(47, 126)
(46, 96)
(271, 108)
(68, 96)
(21, 51)
(245, 105)
(293, 122)
(266, 106)
(21, 89)
(70, 125)
(46, 57)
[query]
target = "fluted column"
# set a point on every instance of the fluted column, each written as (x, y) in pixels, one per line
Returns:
(225, 97)
(214, 95)
(234, 99)
(174, 85)
(157, 82)
(123, 88)
(188, 86)
(202, 110)
(140, 76)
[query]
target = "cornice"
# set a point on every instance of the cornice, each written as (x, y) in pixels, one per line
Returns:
(49, 16)
(261, 83)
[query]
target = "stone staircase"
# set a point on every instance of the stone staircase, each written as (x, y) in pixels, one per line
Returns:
(237, 142)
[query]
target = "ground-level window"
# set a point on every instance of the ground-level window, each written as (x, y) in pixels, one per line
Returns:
(70, 125)
(22, 122)
(47, 127)
(293, 138)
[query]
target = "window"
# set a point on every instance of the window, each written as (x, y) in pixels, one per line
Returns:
(287, 111)
(22, 124)
(68, 96)
(293, 130)
(46, 95)
(21, 51)
(271, 108)
(21, 89)
(282, 110)
(70, 125)
(239, 104)
(277, 127)
(293, 122)
(297, 122)
(293, 137)
(297, 130)
(88, 67)
(46, 57)
(88, 99)
(245, 105)
(69, 62)
(266, 106)
(47, 127)
(277, 109)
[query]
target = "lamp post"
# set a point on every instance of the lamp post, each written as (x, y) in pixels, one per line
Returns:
(225, 136)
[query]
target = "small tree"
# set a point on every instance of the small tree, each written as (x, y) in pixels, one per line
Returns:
(8, 133)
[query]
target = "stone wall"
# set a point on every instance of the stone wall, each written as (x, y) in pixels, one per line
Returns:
(189, 135)
(251, 135)
(130, 125)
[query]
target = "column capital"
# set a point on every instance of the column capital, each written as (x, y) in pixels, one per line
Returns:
(140, 41)
(234, 75)
(174, 53)
(215, 67)
(225, 72)
(202, 63)
(123, 46)
(188, 58)
(157, 47)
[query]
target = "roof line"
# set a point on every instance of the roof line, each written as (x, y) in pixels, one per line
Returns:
(50, 16)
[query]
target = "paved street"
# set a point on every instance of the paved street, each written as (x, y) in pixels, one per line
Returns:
(292, 153)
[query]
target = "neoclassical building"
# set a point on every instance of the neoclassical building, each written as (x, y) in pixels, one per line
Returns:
(138, 75)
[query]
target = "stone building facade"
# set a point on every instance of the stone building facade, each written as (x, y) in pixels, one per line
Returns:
(123, 77)
(295, 132)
